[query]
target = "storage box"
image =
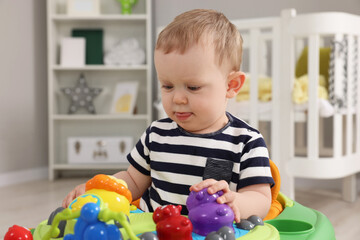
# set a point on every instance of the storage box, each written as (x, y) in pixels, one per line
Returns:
(72, 52)
(93, 44)
(83, 7)
(99, 149)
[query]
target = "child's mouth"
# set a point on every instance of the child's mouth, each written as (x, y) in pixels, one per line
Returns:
(182, 116)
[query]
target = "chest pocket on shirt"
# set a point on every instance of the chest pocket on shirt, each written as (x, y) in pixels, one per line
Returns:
(218, 169)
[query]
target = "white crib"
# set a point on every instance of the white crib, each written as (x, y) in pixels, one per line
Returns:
(272, 46)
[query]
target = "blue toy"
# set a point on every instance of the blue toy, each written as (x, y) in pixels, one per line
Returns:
(89, 227)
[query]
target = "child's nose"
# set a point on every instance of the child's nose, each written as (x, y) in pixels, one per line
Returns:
(180, 97)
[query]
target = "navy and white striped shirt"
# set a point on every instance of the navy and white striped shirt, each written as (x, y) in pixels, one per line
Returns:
(176, 159)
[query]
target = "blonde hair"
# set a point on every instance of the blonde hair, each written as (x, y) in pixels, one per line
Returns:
(190, 27)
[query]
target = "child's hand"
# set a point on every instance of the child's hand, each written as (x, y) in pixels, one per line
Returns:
(229, 197)
(77, 191)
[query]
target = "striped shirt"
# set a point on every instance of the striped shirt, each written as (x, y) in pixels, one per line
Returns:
(176, 159)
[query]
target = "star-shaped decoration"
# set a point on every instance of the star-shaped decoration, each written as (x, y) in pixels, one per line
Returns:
(81, 96)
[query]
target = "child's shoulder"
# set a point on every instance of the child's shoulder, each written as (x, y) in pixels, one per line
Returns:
(238, 123)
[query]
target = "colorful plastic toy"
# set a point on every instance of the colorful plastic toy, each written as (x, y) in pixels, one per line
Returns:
(94, 217)
(88, 226)
(104, 189)
(171, 225)
(206, 214)
(18, 233)
(126, 6)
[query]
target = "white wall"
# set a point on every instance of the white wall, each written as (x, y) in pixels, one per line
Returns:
(23, 97)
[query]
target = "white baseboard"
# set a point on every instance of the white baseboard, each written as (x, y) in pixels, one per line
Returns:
(21, 176)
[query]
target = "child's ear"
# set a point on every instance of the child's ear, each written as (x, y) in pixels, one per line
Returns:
(235, 81)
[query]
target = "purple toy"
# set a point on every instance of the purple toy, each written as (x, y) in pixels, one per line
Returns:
(206, 215)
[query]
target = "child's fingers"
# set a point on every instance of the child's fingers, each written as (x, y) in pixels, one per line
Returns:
(77, 191)
(228, 197)
(219, 186)
(236, 212)
(201, 185)
(68, 199)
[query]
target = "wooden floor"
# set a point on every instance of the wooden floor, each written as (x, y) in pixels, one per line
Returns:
(30, 203)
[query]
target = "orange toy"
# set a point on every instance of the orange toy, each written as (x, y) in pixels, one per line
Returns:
(136, 203)
(102, 181)
(276, 208)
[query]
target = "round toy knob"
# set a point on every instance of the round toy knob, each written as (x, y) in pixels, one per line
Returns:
(18, 233)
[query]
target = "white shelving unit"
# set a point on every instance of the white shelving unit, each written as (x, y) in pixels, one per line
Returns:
(116, 27)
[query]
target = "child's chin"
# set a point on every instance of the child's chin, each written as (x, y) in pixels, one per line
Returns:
(185, 127)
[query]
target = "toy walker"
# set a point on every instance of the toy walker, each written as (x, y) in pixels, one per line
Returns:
(104, 212)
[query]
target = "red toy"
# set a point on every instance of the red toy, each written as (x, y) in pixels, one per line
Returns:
(18, 233)
(171, 225)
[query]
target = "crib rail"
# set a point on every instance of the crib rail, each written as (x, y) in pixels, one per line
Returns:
(325, 23)
(288, 34)
(340, 26)
(255, 33)
(262, 40)
(345, 159)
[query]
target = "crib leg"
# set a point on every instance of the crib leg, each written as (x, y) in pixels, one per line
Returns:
(349, 190)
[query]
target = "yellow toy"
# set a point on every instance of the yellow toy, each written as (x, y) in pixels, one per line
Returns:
(106, 190)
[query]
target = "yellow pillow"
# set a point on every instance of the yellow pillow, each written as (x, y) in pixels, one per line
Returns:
(324, 58)
(300, 89)
(264, 89)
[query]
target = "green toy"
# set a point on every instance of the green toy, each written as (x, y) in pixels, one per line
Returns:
(126, 6)
(297, 222)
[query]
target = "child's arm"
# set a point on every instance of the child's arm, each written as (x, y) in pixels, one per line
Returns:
(136, 181)
(247, 201)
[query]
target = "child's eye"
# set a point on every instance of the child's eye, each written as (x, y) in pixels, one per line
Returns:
(166, 87)
(193, 88)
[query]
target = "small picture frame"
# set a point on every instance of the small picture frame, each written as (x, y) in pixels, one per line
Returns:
(124, 99)
(83, 7)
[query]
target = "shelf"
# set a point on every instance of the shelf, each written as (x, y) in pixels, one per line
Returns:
(65, 117)
(101, 68)
(103, 17)
(91, 166)
(62, 126)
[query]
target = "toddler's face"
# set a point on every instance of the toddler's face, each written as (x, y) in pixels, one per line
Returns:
(193, 88)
